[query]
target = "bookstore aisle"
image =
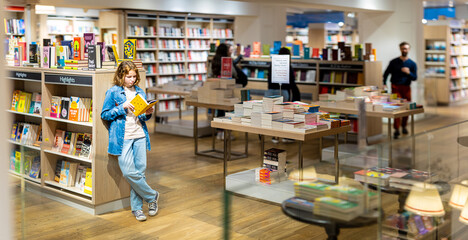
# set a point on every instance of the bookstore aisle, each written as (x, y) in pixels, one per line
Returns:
(191, 205)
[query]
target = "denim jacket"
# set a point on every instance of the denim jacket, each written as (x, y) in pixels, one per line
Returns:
(115, 114)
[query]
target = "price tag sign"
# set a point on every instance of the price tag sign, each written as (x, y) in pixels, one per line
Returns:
(280, 69)
(226, 67)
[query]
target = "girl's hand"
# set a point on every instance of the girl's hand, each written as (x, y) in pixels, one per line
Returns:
(128, 105)
(149, 111)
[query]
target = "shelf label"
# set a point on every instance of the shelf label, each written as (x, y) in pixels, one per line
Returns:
(69, 79)
(34, 76)
(280, 69)
(341, 66)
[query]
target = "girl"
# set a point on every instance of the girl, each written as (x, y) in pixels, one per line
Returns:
(128, 137)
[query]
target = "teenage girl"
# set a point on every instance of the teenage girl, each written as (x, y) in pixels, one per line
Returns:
(128, 137)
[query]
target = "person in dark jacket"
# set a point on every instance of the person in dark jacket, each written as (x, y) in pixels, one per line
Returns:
(290, 92)
(403, 71)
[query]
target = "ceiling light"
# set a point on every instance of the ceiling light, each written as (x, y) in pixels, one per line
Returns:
(424, 21)
(351, 15)
(341, 24)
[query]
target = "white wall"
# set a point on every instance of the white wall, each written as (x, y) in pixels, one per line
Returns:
(461, 11)
(386, 30)
(267, 27)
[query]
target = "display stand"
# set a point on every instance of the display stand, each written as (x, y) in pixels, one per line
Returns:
(110, 190)
(213, 152)
(248, 184)
(389, 116)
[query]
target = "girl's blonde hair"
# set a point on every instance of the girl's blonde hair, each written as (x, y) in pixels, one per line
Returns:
(124, 68)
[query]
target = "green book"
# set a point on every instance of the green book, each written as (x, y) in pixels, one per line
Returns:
(266, 49)
(313, 185)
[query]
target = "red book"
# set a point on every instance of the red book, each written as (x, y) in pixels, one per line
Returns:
(23, 45)
(226, 67)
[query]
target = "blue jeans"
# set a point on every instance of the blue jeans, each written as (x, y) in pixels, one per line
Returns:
(132, 163)
(284, 93)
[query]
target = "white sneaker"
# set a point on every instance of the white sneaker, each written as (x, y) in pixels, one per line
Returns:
(275, 140)
(139, 215)
(288, 140)
(153, 206)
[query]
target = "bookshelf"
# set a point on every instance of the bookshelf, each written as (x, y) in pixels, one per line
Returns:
(323, 35)
(15, 25)
(110, 191)
(316, 76)
(68, 26)
(180, 45)
(446, 64)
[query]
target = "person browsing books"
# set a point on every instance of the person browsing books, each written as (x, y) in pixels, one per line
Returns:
(403, 71)
(128, 136)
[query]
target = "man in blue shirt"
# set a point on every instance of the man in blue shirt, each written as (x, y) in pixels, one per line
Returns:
(403, 71)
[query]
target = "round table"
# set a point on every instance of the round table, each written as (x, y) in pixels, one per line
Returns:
(332, 226)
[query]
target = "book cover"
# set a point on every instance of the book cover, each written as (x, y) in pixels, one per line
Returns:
(73, 111)
(102, 45)
(88, 186)
(78, 48)
(62, 55)
(19, 132)
(15, 100)
(14, 130)
(26, 133)
(53, 57)
(110, 53)
(35, 167)
(129, 49)
(66, 142)
(58, 140)
(141, 105)
(86, 145)
(266, 49)
(37, 109)
(276, 47)
(58, 169)
(69, 44)
(55, 106)
(80, 172)
(306, 53)
(46, 42)
(296, 50)
(72, 174)
(78, 144)
(256, 49)
(64, 107)
(64, 173)
(89, 39)
(22, 102)
(33, 53)
(23, 52)
(38, 139)
(17, 56)
(17, 161)
(92, 58)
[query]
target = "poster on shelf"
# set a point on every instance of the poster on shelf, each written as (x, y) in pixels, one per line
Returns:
(226, 67)
(280, 69)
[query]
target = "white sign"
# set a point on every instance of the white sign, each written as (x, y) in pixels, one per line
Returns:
(280, 68)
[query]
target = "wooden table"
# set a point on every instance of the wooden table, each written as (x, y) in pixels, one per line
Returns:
(389, 116)
(300, 137)
(181, 94)
(213, 152)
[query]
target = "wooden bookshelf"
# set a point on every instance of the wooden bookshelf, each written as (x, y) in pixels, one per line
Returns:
(323, 35)
(370, 74)
(110, 191)
(446, 65)
(181, 51)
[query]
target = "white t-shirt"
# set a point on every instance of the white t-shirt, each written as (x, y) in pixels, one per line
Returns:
(133, 128)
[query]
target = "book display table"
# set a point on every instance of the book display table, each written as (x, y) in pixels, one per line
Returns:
(213, 152)
(389, 116)
(300, 137)
(332, 226)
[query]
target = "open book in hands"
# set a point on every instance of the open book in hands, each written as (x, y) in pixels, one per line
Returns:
(141, 105)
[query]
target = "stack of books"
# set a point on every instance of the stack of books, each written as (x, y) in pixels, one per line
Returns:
(394, 177)
(76, 64)
(275, 159)
(268, 117)
(270, 101)
(310, 190)
(336, 208)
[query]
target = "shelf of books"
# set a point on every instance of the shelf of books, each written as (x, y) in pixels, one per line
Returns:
(316, 76)
(446, 65)
(15, 22)
(322, 35)
(174, 46)
(57, 143)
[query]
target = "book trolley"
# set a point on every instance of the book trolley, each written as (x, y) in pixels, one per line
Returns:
(110, 191)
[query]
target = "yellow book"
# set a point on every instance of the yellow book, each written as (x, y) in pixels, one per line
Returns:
(116, 55)
(88, 188)
(22, 102)
(141, 105)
